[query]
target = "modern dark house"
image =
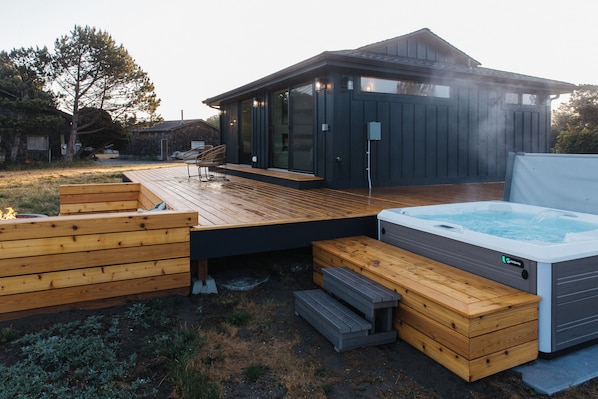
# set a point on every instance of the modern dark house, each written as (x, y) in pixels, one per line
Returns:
(405, 111)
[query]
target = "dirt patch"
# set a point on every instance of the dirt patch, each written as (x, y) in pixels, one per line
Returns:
(255, 347)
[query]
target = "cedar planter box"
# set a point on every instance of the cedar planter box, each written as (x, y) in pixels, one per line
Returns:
(100, 251)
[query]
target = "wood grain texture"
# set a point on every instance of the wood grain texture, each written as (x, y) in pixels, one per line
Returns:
(87, 256)
(471, 325)
(241, 202)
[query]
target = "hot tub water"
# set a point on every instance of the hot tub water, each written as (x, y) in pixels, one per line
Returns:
(545, 227)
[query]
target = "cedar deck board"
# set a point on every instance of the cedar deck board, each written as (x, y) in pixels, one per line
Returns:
(244, 202)
(241, 209)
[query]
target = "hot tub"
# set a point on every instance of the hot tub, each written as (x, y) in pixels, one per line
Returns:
(549, 252)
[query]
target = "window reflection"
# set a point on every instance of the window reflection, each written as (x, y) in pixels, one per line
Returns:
(405, 87)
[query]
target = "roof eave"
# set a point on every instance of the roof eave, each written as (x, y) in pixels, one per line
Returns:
(311, 65)
(340, 59)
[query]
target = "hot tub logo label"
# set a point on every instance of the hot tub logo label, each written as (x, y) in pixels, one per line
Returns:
(507, 260)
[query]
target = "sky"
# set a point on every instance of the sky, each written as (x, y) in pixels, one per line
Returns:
(193, 50)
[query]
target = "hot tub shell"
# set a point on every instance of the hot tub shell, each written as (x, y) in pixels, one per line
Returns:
(564, 275)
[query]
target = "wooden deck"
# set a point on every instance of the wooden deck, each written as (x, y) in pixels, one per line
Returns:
(241, 215)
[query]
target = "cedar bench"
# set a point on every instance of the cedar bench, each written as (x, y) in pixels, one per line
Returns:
(473, 326)
(99, 253)
(340, 324)
(77, 199)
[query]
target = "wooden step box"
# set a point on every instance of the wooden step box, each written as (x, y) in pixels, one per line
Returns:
(473, 326)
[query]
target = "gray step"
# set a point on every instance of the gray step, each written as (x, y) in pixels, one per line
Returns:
(368, 297)
(342, 327)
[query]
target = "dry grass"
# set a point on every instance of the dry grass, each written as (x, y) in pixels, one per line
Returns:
(239, 344)
(36, 190)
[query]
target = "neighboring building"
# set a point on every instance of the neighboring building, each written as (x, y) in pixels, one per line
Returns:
(30, 133)
(442, 118)
(166, 138)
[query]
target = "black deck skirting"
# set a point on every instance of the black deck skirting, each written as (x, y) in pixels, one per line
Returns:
(206, 244)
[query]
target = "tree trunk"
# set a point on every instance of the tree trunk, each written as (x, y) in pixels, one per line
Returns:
(70, 148)
(16, 142)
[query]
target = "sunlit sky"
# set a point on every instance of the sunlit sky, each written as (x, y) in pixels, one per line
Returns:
(193, 50)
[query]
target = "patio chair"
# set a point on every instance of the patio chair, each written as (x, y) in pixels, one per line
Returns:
(190, 156)
(209, 159)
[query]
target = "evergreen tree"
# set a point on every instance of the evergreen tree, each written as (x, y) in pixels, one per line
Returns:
(25, 107)
(90, 71)
(575, 124)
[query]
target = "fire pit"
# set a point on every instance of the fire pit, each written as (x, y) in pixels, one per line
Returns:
(10, 214)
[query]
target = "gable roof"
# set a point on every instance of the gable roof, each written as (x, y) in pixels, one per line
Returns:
(420, 54)
(422, 44)
(170, 126)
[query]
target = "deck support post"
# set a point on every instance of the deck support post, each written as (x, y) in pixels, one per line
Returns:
(201, 267)
(202, 283)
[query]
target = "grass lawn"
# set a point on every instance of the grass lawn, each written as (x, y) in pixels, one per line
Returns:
(36, 189)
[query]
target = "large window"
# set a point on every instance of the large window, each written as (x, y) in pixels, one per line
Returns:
(406, 87)
(522, 99)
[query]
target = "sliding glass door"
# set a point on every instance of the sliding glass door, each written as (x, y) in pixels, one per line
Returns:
(292, 129)
(279, 130)
(301, 139)
(245, 138)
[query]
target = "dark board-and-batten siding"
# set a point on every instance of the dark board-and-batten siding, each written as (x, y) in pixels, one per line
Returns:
(426, 140)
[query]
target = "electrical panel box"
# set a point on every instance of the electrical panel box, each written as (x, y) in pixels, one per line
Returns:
(374, 131)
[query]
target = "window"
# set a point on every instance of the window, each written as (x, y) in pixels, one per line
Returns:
(512, 98)
(406, 87)
(528, 99)
(523, 99)
(38, 143)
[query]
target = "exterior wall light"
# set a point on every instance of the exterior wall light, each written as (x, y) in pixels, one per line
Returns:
(320, 84)
(347, 83)
(257, 102)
